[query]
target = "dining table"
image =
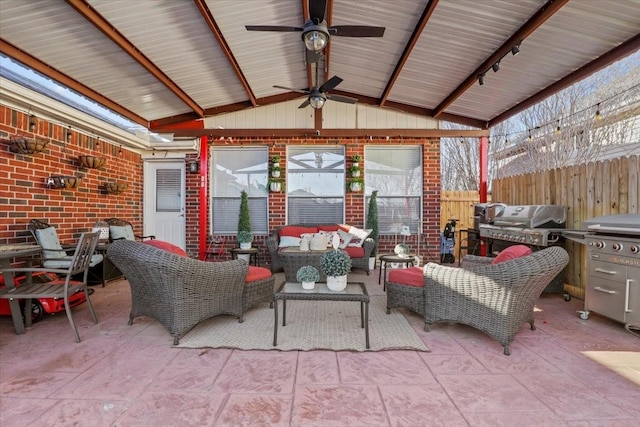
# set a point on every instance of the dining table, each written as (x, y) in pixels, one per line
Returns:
(9, 253)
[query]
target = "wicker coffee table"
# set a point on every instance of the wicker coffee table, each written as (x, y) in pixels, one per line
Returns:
(355, 291)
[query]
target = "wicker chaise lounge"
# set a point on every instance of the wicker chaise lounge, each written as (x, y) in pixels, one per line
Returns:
(178, 292)
(496, 299)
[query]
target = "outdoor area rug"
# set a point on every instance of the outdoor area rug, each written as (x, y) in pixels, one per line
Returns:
(311, 325)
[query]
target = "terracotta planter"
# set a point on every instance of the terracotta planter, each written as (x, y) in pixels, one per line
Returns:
(115, 187)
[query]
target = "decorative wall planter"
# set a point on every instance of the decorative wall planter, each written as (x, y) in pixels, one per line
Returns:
(275, 186)
(355, 185)
(24, 145)
(115, 187)
(63, 181)
(92, 162)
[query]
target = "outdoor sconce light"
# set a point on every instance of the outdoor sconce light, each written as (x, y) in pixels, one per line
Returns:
(194, 166)
(32, 123)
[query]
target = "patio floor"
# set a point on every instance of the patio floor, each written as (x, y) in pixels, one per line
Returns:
(569, 372)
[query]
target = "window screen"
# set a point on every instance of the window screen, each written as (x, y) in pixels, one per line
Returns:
(396, 172)
(315, 184)
(234, 170)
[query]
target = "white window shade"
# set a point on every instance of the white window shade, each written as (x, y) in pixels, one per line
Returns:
(168, 187)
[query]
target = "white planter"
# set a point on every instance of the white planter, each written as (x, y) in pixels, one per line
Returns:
(275, 187)
(372, 262)
(275, 173)
(245, 257)
(356, 186)
(308, 285)
(337, 283)
(245, 245)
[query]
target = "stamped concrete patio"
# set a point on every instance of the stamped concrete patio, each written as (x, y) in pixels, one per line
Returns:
(569, 372)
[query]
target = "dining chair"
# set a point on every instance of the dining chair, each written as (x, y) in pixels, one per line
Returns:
(64, 287)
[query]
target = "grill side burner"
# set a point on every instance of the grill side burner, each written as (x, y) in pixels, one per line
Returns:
(613, 270)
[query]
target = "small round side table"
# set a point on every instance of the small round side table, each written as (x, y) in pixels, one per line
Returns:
(408, 260)
(253, 253)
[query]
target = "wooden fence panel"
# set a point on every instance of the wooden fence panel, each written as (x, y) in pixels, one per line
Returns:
(588, 190)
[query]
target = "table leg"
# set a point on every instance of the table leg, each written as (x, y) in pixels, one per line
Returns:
(384, 283)
(14, 306)
(361, 314)
(275, 324)
(380, 271)
(366, 322)
(284, 312)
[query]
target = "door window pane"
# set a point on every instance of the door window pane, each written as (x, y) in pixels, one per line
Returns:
(168, 197)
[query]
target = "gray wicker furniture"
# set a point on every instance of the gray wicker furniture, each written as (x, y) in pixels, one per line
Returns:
(258, 291)
(178, 292)
(355, 291)
(277, 263)
(117, 222)
(61, 288)
(496, 299)
(292, 259)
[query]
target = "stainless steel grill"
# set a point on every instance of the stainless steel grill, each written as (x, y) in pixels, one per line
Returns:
(613, 257)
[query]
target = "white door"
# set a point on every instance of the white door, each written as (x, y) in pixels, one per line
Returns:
(164, 201)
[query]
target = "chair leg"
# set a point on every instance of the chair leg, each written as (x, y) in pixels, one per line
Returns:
(507, 352)
(67, 308)
(91, 310)
(176, 340)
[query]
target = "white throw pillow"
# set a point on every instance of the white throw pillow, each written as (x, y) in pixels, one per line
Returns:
(345, 238)
(286, 241)
(319, 242)
(360, 236)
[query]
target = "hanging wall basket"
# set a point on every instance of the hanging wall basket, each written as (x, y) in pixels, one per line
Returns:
(115, 187)
(24, 145)
(92, 162)
(67, 182)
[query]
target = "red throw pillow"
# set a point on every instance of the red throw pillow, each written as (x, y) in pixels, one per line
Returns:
(512, 252)
(166, 246)
(294, 231)
(412, 276)
(354, 252)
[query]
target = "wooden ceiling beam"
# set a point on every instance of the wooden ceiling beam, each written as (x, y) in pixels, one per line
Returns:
(330, 133)
(417, 32)
(91, 15)
(539, 18)
(10, 50)
(222, 43)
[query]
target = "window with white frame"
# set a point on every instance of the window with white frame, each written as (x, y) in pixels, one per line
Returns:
(234, 170)
(396, 172)
(315, 184)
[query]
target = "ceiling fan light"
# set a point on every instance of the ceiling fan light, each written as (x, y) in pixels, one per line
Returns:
(315, 40)
(316, 101)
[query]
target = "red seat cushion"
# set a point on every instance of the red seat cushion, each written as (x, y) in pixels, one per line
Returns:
(295, 231)
(354, 252)
(166, 246)
(257, 273)
(412, 276)
(512, 252)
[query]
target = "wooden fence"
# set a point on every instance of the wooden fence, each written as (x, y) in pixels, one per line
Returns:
(458, 205)
(588, 190)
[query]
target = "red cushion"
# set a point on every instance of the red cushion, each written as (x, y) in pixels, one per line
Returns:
(412, 276)
(295, 231)
(512, 252)
(166, 246)
(257, 273)
(354, 252)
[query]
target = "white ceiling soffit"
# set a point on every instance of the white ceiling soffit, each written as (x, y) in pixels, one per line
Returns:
(176, 61)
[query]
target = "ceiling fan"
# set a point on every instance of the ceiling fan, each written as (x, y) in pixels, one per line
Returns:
(315, 32)
(318, 95)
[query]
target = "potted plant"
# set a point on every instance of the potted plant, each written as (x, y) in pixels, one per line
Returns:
(336, 264)
(275, 160)
(355, 170)
(372, 224)
(308, 275)
(356, 184)
(275, 171)
(275, 185)
(245, 237)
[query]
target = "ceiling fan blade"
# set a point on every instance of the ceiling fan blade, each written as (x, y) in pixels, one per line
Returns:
(317, 9)
(330, 84)
(278, 28)
(313, 57)
(340, 98)
(356, 31)
(306, 92)
(304, 104)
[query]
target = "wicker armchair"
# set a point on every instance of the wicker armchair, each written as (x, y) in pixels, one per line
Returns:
(496, 299)
(123, 230)
(178, 292)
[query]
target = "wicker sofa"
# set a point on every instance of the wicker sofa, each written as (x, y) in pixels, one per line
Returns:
(178, 292)
(359, 257)
(496, 298)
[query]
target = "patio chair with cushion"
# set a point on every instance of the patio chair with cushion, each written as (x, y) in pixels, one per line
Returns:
(121, 229)
(177, 291)
(61, 288)
(55, 254)
(496, 298)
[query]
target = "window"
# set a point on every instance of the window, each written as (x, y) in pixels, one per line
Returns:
(315, 184)
(168, 188)
(234, 170)
(396, 172)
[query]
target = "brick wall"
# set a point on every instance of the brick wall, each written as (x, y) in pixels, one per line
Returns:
(25, 196)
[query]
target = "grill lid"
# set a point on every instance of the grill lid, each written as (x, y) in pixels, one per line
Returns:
(614, 224)
(532, 216)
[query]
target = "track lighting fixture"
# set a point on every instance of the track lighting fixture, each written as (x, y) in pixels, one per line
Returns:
(598, 116)
(481, 79)
(515, 49)
(530, 138)
(120, 151)
(558, 131)
(496, 67)
(68, 135)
